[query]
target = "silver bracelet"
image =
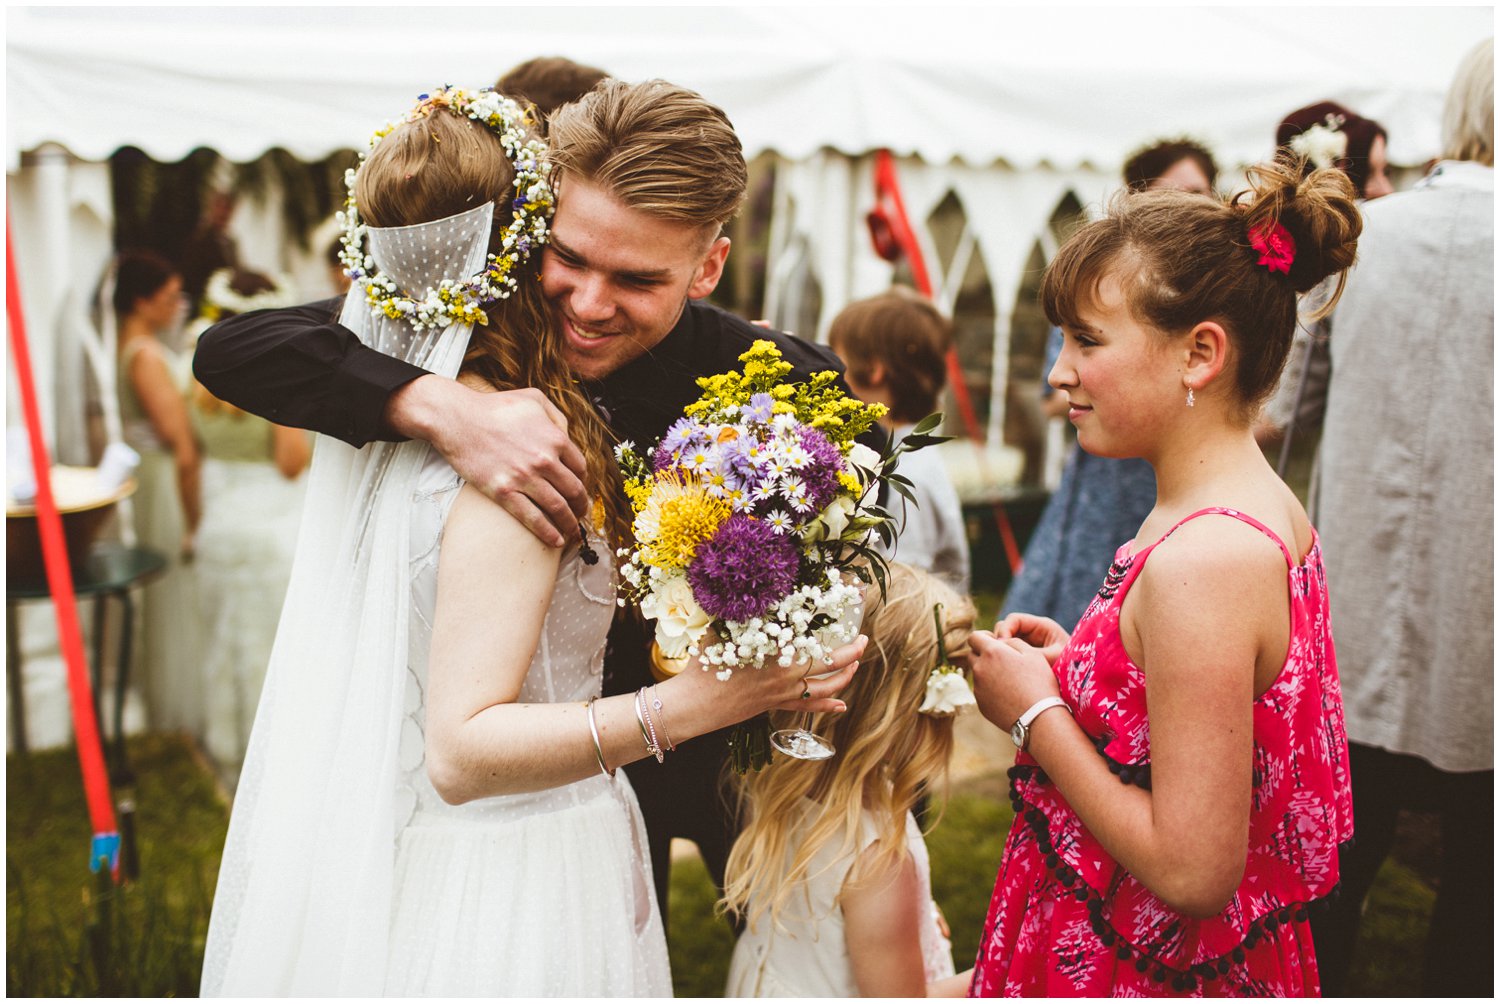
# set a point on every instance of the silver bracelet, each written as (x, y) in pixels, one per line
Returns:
(640, 719)
(652, 746)
(661, 716)
(594, 731)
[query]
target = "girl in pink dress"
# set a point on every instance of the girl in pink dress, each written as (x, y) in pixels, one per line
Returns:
(1181, 786)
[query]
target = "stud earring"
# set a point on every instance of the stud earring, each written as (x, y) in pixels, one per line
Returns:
(1190, 397)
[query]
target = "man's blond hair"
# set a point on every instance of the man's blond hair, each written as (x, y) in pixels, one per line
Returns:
(657, 147)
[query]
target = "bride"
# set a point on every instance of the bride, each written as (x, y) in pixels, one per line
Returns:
(429, 804)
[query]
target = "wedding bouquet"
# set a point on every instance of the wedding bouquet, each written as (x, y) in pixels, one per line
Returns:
(756, 514)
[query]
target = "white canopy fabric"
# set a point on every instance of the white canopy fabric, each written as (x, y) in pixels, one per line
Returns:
(1008, 107)
(1023, 86)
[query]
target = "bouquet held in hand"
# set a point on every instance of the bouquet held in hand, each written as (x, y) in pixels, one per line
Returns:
(755, 517)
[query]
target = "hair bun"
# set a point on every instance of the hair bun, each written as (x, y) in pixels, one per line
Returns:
(1318, 211)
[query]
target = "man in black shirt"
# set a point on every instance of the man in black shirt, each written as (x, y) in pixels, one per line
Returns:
(646, 175)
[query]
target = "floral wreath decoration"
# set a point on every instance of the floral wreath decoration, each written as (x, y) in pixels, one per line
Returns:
(220, 297)
(463, 301)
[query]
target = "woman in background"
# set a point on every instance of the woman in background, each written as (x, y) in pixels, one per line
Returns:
(147, 302)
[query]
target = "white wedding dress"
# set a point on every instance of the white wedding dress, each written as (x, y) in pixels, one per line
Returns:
(545, 894)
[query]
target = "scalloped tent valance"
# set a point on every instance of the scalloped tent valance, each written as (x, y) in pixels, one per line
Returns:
(1060, 87)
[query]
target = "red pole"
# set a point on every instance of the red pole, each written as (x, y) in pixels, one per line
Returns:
(105, 849)
(887, 185)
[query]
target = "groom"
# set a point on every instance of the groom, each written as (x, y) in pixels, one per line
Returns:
(647, 175)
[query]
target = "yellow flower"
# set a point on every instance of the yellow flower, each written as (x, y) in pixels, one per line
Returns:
(678, 515)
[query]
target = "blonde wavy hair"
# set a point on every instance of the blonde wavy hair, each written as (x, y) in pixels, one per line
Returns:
(888, 755)
(444, 164)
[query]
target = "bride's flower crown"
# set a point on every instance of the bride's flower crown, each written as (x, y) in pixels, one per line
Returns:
(461, 300)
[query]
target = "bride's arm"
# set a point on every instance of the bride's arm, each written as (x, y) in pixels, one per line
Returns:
(495, 583)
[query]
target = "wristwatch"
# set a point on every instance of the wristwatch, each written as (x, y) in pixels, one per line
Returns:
(1020, 733)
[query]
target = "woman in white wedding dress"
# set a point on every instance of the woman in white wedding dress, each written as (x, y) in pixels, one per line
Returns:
(429, 804)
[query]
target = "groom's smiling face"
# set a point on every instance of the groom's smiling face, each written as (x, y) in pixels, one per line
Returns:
(618, 278)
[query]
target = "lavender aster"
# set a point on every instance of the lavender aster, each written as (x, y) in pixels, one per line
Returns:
(744, 570)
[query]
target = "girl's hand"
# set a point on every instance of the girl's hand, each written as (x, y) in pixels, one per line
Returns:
(1009, 676)
(1042, 632)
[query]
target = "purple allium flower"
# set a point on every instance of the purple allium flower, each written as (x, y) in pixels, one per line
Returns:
(822, 475)
(744, 569)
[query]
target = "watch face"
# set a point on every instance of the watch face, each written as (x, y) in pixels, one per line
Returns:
(1018, 735)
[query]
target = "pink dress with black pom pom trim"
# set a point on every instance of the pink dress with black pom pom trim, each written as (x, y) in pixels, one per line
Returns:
(1067, 920)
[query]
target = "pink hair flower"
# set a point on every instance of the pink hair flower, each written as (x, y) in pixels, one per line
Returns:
(1275, 244)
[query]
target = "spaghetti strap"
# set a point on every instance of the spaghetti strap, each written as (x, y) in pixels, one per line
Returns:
(1243, 518)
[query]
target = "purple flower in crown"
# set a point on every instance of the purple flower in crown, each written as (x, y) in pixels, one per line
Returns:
(821, 476)
(744, 569)
(759, 408)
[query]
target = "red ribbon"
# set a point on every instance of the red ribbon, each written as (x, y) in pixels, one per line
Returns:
(104, 849)
(892, 234)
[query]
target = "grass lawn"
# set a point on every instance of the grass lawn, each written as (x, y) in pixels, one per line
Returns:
(65, 936)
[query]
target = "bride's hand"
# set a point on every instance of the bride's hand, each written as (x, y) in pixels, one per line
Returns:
(751, 690)
(818, 695)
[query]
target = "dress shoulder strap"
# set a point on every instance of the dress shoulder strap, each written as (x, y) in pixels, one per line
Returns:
(1243, 518)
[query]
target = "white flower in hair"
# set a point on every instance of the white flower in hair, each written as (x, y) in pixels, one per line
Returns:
(1323, 144)
(948, 693)
(948, 690)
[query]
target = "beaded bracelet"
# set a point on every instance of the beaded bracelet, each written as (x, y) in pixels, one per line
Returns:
(652, 746)
(666, 740)
(594, 731)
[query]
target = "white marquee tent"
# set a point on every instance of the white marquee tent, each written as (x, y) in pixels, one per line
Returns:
(1009, 109)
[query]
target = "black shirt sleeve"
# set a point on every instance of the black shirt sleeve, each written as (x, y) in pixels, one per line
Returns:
(300, 367)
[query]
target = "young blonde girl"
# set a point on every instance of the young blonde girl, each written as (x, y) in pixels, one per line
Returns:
(829, 876)
(1182, 783)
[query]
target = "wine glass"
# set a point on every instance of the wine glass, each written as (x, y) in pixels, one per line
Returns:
(801, 743)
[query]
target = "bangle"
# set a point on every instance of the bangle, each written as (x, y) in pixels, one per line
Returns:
(652, 746)
(666, 740)
(640, 719)
(594, 731)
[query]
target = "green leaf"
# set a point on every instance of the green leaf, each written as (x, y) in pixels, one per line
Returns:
(927, 424)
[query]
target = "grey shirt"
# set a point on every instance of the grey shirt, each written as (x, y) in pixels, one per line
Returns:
(1405, 502)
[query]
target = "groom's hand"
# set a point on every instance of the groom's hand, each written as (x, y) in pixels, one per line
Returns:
(511, 445)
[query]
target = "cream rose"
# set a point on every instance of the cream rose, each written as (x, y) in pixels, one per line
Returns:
(680, 621)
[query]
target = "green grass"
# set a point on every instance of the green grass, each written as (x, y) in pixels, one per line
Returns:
(65, 936)
(68, 935)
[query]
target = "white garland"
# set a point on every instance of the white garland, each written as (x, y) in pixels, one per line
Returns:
(220, 296)
(461, 300)
(1323, 144)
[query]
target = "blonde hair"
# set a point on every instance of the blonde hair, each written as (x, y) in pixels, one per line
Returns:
(657, 147)
(444, 164)
(1469, 111)
(888, 754)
